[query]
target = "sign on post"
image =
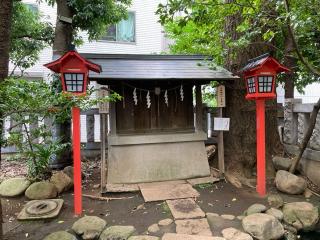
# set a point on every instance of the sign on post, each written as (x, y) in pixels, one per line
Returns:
(221, 124)
(103, 106)
(221, 96)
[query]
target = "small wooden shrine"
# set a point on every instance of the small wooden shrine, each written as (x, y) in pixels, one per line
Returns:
(155, 133)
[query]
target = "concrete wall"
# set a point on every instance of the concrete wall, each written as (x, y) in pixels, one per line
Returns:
(296, 121)
(157, 162)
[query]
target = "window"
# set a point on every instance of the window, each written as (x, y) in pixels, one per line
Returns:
(123, 31)
(32, 7)
(74, 82)
(251, 85)
(265, 84)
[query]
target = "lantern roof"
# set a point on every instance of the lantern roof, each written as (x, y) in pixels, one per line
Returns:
(58, 64)
(260, 61)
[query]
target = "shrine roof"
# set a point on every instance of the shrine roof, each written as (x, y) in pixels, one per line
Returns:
(156, 67)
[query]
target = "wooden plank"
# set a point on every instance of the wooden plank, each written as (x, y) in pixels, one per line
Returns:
(104, 163)
(198, 108)
(221, 149)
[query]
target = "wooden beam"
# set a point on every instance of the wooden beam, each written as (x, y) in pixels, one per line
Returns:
(104, 164)
(221, 149)
(198, 108)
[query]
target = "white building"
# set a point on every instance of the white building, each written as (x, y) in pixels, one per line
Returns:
(141, 33)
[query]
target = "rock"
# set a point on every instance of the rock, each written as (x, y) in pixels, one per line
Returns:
(301, 215)
(276, 213)
(96, 186)
(153, 228)
(61, 235)
(275, 201)
(143, 237)
(289, 183)
(289, 236)
(256, 208)
(89, 227)
(174, 236)
(62, 181)
(193, 227)
(307, 193)
(117, 233)
(165, 222)
(240, 217)
(235, 234)
(263, 226)
(69, 171)
(41, 190)
(281, 163)
(212, 214)
(228, 216)
(13, 187)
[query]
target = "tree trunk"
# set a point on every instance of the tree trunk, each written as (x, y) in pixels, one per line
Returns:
(5, 31)
(291, 62)
(61, 44)
(63, 30)
(240, 140)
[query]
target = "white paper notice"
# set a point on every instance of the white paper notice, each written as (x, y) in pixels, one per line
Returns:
(221, 124)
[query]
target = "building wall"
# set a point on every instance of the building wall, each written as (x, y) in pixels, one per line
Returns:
(149, 36)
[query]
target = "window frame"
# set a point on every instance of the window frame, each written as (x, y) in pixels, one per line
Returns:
(124, 42)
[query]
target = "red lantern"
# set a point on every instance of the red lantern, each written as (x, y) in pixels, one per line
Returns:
(260, 74)
(74, 71)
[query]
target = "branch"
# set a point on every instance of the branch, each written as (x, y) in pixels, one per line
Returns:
(305, 62)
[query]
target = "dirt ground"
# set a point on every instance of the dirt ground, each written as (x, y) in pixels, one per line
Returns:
(221, 198)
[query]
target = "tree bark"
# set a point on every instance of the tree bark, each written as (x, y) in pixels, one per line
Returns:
(307, 136)
(62, 41)
(240, 140)
(63, 30)
(5, 31)
(291, 62)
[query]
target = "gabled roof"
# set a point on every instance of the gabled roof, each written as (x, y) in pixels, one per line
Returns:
(155, 67)
(258, 62)
(56, 65)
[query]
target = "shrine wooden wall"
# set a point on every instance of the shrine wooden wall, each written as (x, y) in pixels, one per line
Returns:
(175, 115)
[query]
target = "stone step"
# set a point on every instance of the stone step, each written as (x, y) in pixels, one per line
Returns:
(174, 236)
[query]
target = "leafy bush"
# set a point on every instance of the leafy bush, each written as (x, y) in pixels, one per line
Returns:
(30, 102)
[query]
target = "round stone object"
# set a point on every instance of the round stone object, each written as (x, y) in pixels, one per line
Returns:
(263, 226)
(42, 207)
(165, 222)
(13, 187)
(256, 208)
(153, 228)
(41, 190)
(89, 227)
(61, 235)
(301, 215)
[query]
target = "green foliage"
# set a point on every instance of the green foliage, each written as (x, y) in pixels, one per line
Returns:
(29, 36)
(27, 102)
(202, 27)
(94, 16)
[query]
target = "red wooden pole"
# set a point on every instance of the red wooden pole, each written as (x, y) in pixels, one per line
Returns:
(76, 161)
(261, 147)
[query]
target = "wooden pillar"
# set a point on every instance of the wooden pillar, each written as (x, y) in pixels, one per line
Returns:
(221, 149)
(198, 109)
(104, 163)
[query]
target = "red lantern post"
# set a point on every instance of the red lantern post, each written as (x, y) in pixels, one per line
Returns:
(74, 71)
(260, 74)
